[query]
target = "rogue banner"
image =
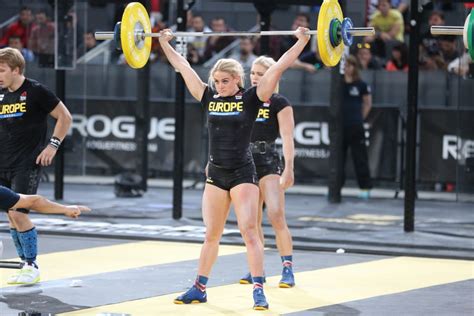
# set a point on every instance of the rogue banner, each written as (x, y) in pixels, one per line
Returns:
(102, 140)
(446, 142)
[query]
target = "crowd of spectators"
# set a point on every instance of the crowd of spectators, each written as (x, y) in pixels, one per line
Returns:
(21, 28)
(33, 35)
(387, 49)
(19, 33)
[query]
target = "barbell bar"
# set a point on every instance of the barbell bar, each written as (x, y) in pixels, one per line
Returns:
(11, 264)
(133, 34)
(467, 32)
(355, 31)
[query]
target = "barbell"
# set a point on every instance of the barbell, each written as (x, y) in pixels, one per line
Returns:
(467, 32)
(133, 34)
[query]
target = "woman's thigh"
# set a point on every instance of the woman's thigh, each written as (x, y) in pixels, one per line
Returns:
(245, 199)
(272, 193)
(215, 208)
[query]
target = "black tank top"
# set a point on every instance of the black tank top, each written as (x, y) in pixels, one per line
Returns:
(230, 121)
(266, 127)
(24, 123)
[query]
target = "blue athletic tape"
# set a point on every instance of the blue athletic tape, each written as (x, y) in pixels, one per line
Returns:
(29, 243)
(17, 243)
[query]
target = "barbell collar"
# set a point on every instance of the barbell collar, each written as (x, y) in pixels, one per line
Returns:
(361, 31)
(447, 30)
(356, 31)
(102, 36)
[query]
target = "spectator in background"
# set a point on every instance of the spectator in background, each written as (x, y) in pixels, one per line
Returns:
(366, 59)
(400, 5)
(448, 48)
(308, 59)
(89, 41)
(357, 102)
(193, 56)
(429, 42)
(442, 5)
(158, 24)
(389, 28)
(245, 56)
(21, 28)
(460, 66)
(431, 61)
(41, 41)
(189, 22)
(399, 59)
(430, 52)
(15, 42)
(274, 43)
(215, 44)
(301, 19)
(199, 42)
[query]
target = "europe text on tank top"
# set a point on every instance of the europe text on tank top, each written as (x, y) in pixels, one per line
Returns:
(266, 126)
(23, 124)
(230, 121)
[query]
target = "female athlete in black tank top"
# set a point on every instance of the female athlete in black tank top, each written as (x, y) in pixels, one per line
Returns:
(231, 113)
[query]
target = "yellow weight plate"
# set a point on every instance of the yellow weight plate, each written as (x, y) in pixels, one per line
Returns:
(135, 49)
(330, 56)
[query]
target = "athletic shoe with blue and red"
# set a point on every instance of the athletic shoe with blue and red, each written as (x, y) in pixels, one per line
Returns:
(192, 296)
(247, 279)
(260, 302)
(287, 277)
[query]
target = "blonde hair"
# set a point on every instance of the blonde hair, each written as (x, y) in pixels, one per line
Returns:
(266, 62)
(13, 58)
(230, 66)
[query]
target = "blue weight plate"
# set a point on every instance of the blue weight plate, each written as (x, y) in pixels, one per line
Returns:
(347, 38)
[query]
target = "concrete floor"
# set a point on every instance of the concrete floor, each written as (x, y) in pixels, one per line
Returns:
(129, 277)
(132, 258)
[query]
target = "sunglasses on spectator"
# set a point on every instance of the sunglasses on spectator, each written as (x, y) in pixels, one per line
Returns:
(363, 45)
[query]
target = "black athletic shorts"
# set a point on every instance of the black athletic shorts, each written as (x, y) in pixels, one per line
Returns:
(8, 198)
(21, 181)
(226, 179)
(267, 163)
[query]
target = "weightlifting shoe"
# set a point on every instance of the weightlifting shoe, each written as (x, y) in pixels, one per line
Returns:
(287, 278)
(192, 296)
(29, 274)
(260, 302)
(247, 279)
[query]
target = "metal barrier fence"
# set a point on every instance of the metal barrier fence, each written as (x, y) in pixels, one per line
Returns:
(102, 99)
